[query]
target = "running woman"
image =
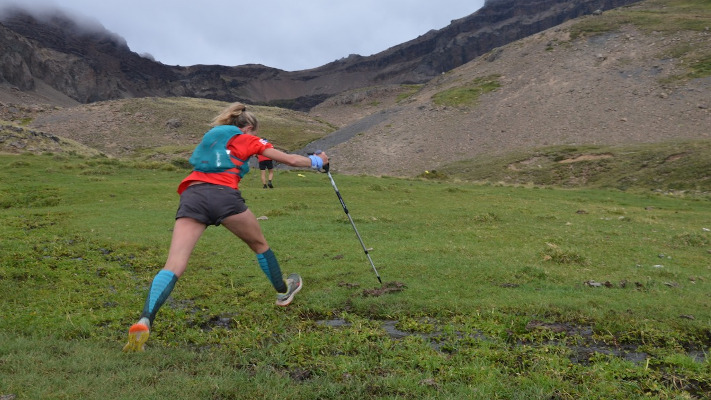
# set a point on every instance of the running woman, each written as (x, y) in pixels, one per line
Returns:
(210, 195)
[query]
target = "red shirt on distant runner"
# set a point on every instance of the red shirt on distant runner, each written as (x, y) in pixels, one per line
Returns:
(241, 146)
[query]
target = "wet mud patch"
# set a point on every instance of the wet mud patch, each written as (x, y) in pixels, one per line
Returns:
(218, 321)
(388, 287)
(300, 374)
(583, 347)
(556, 327)
(348, 285)
(33, 221)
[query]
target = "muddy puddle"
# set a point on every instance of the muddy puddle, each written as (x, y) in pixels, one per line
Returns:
(580, 353)
(583, 345)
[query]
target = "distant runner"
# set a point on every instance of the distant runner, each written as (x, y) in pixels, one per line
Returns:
(266, 163)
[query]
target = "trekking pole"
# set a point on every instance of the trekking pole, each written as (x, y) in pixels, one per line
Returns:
(345, 209)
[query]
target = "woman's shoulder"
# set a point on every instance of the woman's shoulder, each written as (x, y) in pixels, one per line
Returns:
(246, 137)
(248, 145)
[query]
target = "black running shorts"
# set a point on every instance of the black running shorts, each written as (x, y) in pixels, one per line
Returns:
(209, 203)
(268, 164)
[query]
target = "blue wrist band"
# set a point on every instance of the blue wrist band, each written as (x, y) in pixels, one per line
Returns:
(316, 162)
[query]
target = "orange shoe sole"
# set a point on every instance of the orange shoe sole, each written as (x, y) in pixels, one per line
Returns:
(137, 337)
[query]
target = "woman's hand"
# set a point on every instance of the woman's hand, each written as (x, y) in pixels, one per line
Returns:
(323, 156)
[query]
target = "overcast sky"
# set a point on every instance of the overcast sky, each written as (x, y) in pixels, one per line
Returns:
(286, 34)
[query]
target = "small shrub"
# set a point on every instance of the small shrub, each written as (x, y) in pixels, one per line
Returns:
(691, 240)
(433, 174)
(557, 255)
(701, 68)
(296, 206)
(276, 213)
(488, 217)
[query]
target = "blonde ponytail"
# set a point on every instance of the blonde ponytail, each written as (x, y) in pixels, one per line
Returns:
(236, 114)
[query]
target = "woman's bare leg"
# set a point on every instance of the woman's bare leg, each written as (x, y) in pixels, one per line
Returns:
(186, 233)
(246, 227)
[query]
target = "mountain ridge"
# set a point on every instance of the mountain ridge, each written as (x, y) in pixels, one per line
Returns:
(103, 68)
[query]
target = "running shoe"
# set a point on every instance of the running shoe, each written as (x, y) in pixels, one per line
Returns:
(293, 284)
(137, 337)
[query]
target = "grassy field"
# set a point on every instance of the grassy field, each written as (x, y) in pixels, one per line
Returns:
(491, 291)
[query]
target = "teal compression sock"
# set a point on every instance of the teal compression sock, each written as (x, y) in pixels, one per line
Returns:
(269, 264)
(161, 287)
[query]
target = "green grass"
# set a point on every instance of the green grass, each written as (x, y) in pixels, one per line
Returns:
(467, 94)
(408, 92)
(497, 300)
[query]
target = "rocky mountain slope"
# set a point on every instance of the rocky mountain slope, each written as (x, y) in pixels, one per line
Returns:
(52, 55)
(578, 83)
